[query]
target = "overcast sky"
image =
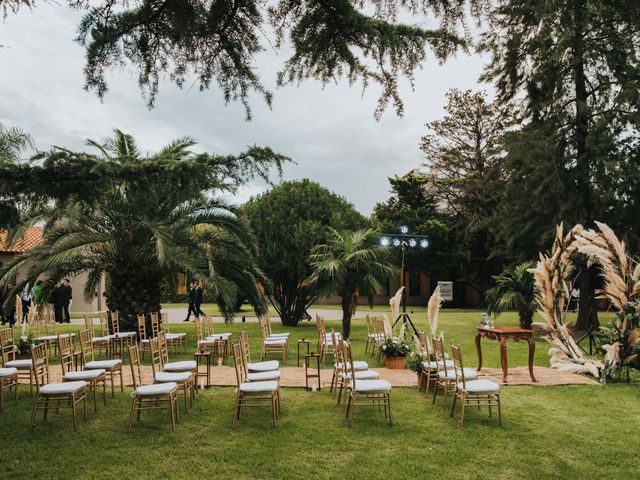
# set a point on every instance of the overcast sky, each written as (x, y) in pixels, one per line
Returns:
(330, 132)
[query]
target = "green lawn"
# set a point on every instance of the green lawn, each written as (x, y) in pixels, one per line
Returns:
(585, 432)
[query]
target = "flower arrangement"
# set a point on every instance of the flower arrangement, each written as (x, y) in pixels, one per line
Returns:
(394, 347)
(415, 360)
(24, 345)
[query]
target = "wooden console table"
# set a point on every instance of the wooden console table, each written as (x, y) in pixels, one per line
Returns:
(502, 334)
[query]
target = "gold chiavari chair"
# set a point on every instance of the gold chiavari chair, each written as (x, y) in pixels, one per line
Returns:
(473, 392)
(446, 376)
(213, 347)
(341, 378)
(184, 380)
(272, 345)
(270, 332)
(58, 395)
(155, 324)
(112, 367)
(143, 340)
(119, 340)
(430, 366)
(266, 366)
(99, 342)
(93, 377)
(366, 393)
(176, 340)
(325, 341)
(8, 376)
(182, 366)
(253, 394)
(8, 355)
(148, 397)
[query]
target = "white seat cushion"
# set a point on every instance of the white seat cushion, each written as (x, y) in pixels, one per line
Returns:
(105, 364)
(469, 374)
(46, 338)
(84, 374)
(357, 365)
(20, 364)
(363, 375)
(174, 336)
(263, 376)
(276, 335)
(370, 386)
(480, 386)
(433, 365)
(155, 389)
(123, 335)
(60, 388)
(275, 341)
(180, 366)
(259, 387)
(100, 339)
(367, 375)
(220, 336)
(7, 372)
(144, 341)
(172, 376)
(263, 366)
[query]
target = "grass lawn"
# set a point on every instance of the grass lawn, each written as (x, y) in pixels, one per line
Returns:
(581, 432)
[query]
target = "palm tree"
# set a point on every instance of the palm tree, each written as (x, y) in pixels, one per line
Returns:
(12, 142)
(514, 290)
(349, 265)
(143, 230)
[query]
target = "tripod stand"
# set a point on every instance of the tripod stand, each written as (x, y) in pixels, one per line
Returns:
(404, 316)
(589, 335)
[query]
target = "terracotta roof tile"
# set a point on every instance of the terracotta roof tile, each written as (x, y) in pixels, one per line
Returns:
(32, 238)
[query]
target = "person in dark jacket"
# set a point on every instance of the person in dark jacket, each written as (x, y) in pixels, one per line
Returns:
(192, 296)
(61, 299)
(198, 298)
(7, 305)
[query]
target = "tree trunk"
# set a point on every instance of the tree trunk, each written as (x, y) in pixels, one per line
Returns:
(526, 317)
(132, 292)
(587, 308)
(587, 312)
(291, 303)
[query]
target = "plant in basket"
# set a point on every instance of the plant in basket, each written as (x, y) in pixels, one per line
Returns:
(395, 352)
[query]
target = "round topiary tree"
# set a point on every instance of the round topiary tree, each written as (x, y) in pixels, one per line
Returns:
(288, 221)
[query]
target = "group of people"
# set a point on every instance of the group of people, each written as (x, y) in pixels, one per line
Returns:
(196, 297)
(60, 297)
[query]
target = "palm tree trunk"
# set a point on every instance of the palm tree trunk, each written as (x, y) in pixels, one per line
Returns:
(132, 292)
(526, 317)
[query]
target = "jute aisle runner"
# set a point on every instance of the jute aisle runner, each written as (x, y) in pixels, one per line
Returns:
(294, 377)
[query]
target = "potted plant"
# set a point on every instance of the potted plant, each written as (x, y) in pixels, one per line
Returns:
(414, 363)
(23, 347)
(395, 353)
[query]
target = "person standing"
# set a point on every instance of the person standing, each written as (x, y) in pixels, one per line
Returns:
(56, 299)
(25, 296)
(67, 294)
(198, 298)
(7, 305)
(192, 295)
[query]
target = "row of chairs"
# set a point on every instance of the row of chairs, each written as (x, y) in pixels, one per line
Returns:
(450, 376)
(258, 384)
(363, 387)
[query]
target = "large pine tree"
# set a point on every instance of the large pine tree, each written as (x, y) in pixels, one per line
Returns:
(570, 70)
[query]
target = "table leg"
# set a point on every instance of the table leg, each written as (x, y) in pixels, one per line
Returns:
(503, 358)
(532, 351)
(479, 349)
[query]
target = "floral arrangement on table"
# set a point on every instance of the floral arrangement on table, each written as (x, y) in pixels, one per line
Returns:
(621, 276)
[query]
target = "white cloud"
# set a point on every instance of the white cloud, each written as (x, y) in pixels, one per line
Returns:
(330, 132)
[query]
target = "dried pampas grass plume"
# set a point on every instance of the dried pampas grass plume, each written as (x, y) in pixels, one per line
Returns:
(433, 310)
(394, 303)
